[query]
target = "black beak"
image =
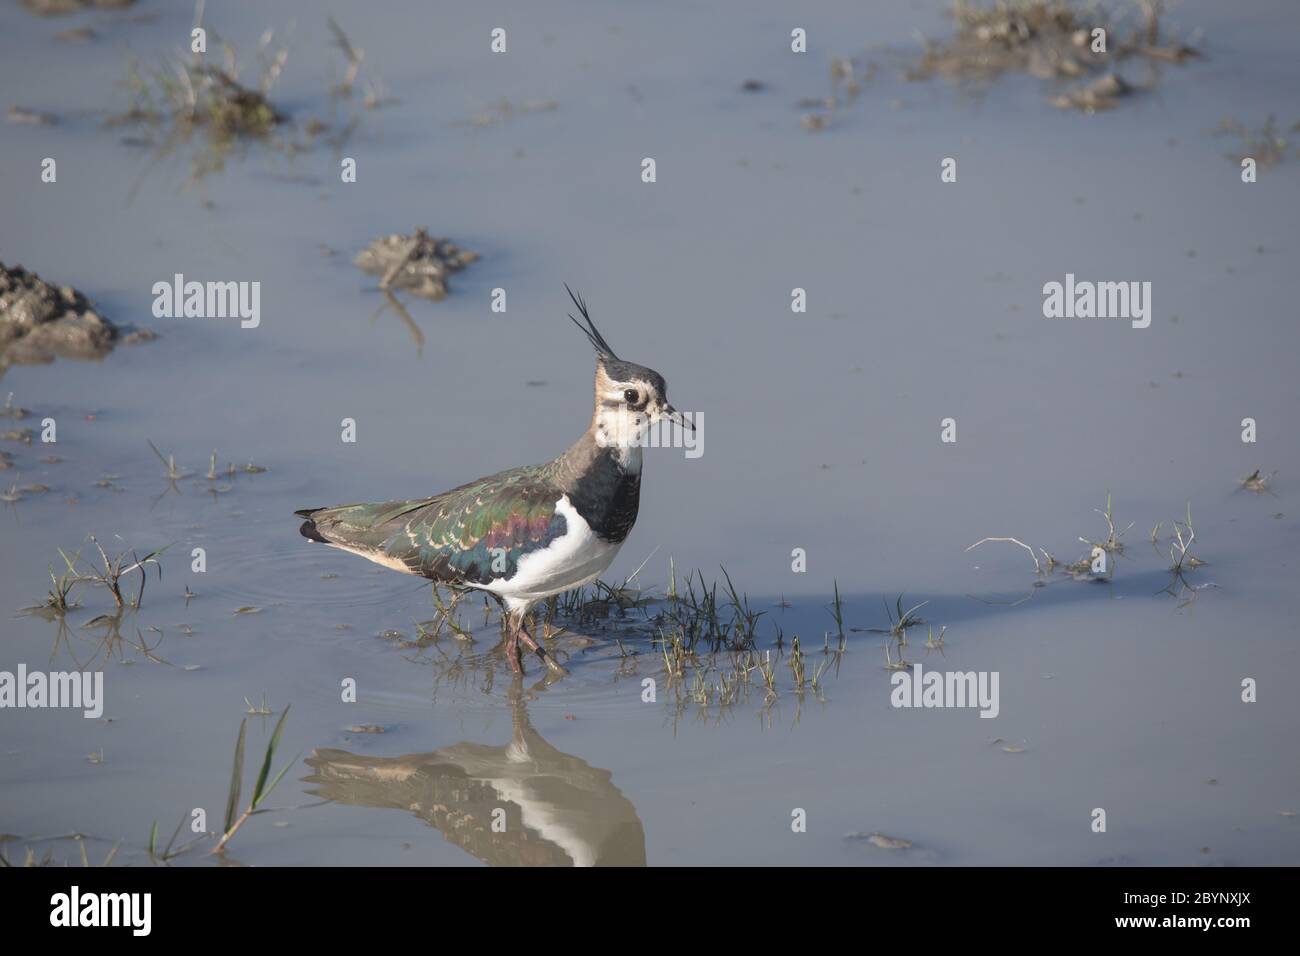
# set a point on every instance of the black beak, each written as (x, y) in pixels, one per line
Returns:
(673, 415)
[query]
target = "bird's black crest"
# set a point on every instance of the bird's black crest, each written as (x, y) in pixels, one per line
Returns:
(589, 330)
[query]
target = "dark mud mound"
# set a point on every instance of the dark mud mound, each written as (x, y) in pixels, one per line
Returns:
(39, 322)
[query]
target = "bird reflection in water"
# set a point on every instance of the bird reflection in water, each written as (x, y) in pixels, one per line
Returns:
(559, 810)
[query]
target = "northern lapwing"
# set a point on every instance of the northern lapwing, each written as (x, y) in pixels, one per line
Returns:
(528, 533)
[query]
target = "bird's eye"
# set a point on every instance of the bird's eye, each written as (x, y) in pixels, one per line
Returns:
(631, 396)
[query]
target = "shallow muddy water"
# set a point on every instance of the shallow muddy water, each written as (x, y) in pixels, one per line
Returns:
(821, 433)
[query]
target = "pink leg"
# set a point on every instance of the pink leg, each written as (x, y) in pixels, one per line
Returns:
(513, 628)
(540, 651)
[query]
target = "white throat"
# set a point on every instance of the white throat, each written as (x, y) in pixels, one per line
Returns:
(624, 431)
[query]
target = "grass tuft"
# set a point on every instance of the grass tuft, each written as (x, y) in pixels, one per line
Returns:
(262, 786)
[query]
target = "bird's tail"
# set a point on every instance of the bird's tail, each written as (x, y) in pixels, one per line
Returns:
(308, 528)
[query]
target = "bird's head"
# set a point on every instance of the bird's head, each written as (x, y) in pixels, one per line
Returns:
(629, 397)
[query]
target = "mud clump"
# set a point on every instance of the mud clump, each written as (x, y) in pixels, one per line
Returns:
(419, 263)
(58, 8)
(39, 322)
(1099, 94)
(26, 117)
(76, 35)
(1039, 37)
(1051, 40)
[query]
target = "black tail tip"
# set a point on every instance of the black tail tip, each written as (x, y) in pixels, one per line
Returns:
(308, 528)
(309, 531)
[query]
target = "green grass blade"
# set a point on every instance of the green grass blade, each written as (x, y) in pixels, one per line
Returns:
(258, 789)
(161, 458)
(236, 777)
(168, 848)
(280, 776)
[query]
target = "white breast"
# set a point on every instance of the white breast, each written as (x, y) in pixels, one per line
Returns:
(554, 822)
(575, 558)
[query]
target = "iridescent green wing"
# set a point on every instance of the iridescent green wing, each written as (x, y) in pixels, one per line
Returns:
(472, 534)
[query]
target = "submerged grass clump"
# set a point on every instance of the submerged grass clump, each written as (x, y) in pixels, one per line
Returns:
(10, 410)
(32, 859)
(182, 99)
(1182, 561)
(1180, 553)
(706, 639)
(900, 621)
(110, 573)
(1111, 543)
(231, 471)
(446, 616)
(1268, 146)
(1098, 565)
(374, 92)
(202, 99)
(175, 472)
(837, 612)
(58, 599)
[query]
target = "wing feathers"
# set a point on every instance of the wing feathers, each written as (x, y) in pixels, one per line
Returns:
(471, 535)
